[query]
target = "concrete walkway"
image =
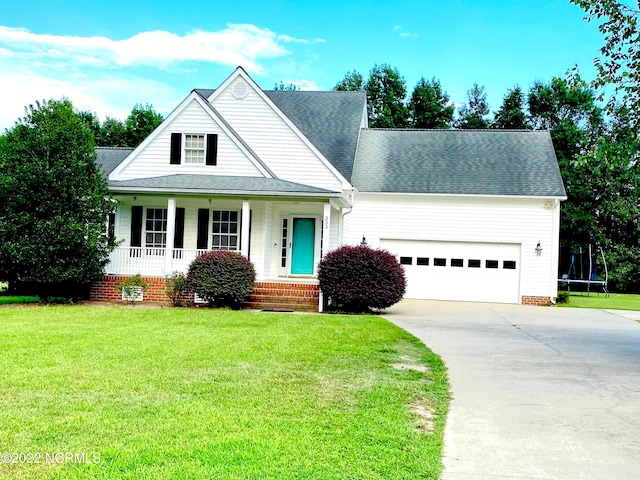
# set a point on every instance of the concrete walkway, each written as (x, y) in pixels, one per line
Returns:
(538, 393)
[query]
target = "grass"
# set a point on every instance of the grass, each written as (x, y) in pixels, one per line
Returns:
(9, 299)
(198, 393)
(615, 301)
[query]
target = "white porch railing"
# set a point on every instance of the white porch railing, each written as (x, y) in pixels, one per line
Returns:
(149, 261)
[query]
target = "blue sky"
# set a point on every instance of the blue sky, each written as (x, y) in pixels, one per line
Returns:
(107, 56)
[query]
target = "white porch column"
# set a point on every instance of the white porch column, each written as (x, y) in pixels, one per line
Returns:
(244, 229)
(326, 228)
(171, 233)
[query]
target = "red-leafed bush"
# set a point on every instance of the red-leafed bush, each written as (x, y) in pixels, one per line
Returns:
(222, 278)
(361, 278)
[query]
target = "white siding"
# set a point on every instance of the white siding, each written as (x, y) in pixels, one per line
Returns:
(274, 141)
(153, 159)
(465, 219)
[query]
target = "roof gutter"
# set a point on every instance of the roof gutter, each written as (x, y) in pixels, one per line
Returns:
(465, 195)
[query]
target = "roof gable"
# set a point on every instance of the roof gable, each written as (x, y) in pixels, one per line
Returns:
(460, 162)
(330, 120)
(196, 116)
(272, 134)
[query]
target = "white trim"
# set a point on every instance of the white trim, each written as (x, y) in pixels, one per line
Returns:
(464, 195)
(115, 173)
(239, 72)
(326, 229)
(227, 193)
(244, 228)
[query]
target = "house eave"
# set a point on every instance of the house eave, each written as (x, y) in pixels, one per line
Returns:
(231, 193)
(466, 195)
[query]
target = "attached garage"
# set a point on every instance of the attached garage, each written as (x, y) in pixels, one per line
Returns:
(464, 271)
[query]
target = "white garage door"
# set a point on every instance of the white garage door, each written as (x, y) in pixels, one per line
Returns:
(465, 271)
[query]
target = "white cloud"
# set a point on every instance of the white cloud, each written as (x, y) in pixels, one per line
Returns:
(303, 84)
(107, 96)
(109, 76)
(399, 30)
(237, 44)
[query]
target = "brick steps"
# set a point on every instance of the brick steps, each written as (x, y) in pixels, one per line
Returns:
(284, 296)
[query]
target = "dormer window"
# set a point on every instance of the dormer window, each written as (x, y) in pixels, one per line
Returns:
(194, 148)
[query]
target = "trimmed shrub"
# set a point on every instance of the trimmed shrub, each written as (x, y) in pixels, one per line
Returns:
(175, 287)
(222, 278)
(360, 278)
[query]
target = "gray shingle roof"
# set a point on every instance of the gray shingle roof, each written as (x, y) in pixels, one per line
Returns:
(110, 157)
(330, 121)
(217, 184)
(487, 162)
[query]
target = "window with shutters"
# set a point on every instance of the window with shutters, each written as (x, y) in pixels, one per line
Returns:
(156, 228)
(194, 148)
(225, 231)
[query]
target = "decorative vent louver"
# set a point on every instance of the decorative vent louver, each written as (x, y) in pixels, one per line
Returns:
(240, 90)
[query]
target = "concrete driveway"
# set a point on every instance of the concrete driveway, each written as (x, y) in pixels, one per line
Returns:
(538, 393)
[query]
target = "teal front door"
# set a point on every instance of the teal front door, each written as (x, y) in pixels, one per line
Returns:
(302, 246)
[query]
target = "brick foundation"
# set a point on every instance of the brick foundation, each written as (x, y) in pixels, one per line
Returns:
(540, 301)
(105, 289)
(266, 295)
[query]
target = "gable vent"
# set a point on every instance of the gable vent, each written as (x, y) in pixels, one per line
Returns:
(240, 90)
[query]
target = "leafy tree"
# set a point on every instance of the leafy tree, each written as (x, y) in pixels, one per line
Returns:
(567, 108)
(55, 201)
(352, 82)
(511, 114)
(620, 65)
(386, 92)
(140, 123)
(91, 120)
(429, 105)
(564, 99)
(608, 197)
(472, 114)
(285, 88)
(113, 133)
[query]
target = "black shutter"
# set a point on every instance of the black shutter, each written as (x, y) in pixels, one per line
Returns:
(111, 230)
(176, 148)
(212, 149)
(178, 240)
(203, 229)
(136, 226)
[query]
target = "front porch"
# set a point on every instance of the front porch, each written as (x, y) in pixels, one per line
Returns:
(284, 238)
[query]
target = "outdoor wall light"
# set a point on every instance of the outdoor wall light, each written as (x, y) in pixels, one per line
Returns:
(135, 198)
(363, 242)
(538, 249)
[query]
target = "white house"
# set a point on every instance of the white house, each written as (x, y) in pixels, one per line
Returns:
(284, 177)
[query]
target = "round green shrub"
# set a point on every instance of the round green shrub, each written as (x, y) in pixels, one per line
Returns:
(360, 278)
(222, 278)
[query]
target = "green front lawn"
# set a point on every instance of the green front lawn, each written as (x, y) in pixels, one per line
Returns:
(615, 301)
(197, 393)
(9, 299)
